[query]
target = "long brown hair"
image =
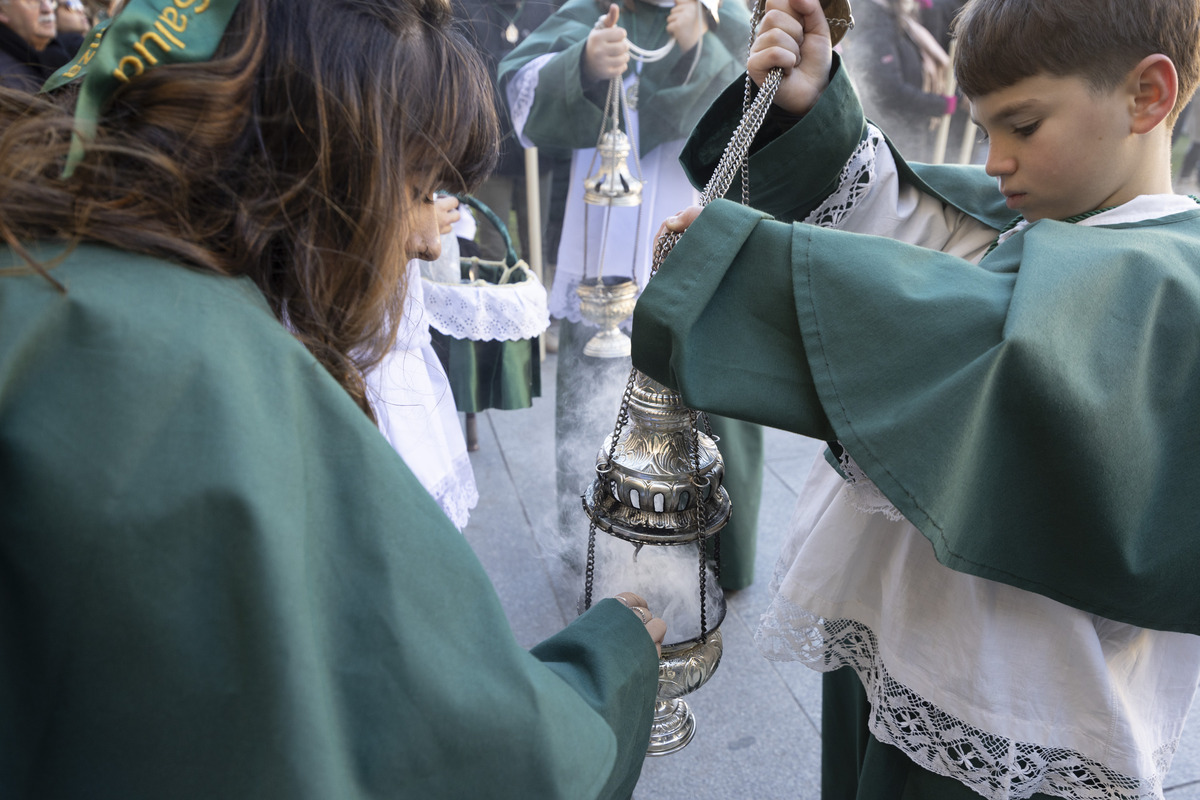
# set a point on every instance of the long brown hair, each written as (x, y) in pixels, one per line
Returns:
(293, 157)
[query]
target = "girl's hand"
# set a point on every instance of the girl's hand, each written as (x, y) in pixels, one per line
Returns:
(654, 626)
(794, 36)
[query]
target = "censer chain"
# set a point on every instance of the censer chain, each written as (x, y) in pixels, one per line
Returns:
(708, 431)
(609, 100)
(698, 486)
(732, 160)
(738, 148)
(590, 575)
(622, 418)
(617, 105)
(633, 146)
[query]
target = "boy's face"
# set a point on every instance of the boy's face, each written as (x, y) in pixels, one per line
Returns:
(1057, 147)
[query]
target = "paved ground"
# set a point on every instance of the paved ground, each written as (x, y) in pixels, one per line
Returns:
(757, 720)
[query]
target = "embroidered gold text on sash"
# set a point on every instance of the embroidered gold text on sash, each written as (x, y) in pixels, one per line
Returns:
(169, 20)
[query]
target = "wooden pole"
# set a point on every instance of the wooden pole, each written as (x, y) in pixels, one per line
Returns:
(943, 131)
(967, 148)
(533, 205)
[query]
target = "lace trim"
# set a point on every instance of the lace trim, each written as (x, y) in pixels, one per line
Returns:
(996, 767)
(862, 494)
(456, 493)
(854, 183)
(488, 312)
(565, 305)
(520, 91)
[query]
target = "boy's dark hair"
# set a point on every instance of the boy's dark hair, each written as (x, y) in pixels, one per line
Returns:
(1001, 42)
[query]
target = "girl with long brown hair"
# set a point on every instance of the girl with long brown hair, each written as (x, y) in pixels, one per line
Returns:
(216, 577)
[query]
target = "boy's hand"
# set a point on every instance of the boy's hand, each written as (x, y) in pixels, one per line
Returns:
(606, 53)
(794, 36)
(687, 23)
(680, 222)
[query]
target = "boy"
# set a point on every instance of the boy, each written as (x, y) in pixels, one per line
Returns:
(1001, 545)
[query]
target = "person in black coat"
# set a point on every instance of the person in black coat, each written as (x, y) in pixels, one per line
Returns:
(901, 67)
(30, 47)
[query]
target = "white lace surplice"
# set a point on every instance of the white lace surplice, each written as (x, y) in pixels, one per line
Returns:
(412, 400)
(1004, 690)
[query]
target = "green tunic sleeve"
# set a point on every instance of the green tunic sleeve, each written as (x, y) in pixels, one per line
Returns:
(218, 580)
(1032, 415)
(728, 338)
(794, 164)
(562, 115)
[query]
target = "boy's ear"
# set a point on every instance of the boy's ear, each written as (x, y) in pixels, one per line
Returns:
(1154, 88)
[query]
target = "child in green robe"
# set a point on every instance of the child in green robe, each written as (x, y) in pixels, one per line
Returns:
(994, 562)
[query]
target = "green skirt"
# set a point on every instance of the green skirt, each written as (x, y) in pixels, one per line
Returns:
(741, 446)
(495, 374)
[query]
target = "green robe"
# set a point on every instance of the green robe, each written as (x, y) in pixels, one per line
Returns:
(218, 580)
(567, 114)
(1034, 415)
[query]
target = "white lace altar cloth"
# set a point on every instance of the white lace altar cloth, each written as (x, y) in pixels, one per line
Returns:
(486, 311)
(1004, 690)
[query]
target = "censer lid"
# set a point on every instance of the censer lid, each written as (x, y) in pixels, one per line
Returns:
(660, 480)
(613, 184)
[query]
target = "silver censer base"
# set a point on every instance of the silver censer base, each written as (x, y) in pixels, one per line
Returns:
(682, 669)
(607, 303)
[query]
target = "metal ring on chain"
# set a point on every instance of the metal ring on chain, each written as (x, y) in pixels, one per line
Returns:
(839, 17)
